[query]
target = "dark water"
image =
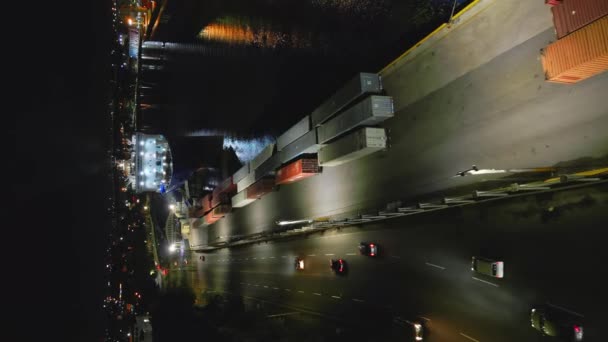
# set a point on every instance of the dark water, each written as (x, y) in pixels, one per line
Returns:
(255, 67)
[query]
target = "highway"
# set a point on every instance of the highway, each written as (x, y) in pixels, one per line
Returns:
(550, 255)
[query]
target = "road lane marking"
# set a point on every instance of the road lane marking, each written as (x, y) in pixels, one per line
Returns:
(487, 282)
(358, 300)
(426, 319)
(311, 255)
(271, 258)
(300, 291)
(336, 297)
(247, 259)
(329, 254)
(253, 258)
(351, 254)
(433, 265)
(562, 308)
(316, 294)
(265, 286)
(256, 285)
(288, 290)
(263, 258)
(283, 314)
(275, 288)
(469, 337)
(283, 256)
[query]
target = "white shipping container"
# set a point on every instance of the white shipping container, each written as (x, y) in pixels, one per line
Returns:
(240, 199)
(368, 112)
(262, 156)
(362, 83)
(357, 144)
(245, 182)
(293, 133)
(241, 173)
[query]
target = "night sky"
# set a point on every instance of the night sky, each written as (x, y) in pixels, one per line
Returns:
(60, 183)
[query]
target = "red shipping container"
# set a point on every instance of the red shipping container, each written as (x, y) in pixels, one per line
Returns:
(260, 188)
(209, 219)
(572, 15)
(206, 203)
(223, 192)
(297, 170)
(553, 2)
(579, 55)
(196, 212)
(221, 210)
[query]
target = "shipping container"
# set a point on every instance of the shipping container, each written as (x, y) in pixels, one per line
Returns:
(222, 193)
(266, 153)
(240, 199)
(241, 173)
(221, 210)
(357, 144)
(363, 83)
(370, 111)
(297, 170)
(572, 15)
(579, 55)
(210, 219)
(260, 188)
(293, 133)
(221, 198)
(196, 212)
(268, 167)
(205, 203)
(306, 144)
(245, 182)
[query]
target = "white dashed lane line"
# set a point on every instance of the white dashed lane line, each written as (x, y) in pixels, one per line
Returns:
(486, 282)
(288, 290)
(351, 254)
(311, 255)
(329, 254)
(358, 300)
(469, 337)
(316, 294)
(336, 297)
(300, 291)
(436, 266)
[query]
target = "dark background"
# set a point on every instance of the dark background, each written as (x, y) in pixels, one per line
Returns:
(59, 72)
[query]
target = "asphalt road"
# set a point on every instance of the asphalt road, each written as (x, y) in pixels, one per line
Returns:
(550, 255)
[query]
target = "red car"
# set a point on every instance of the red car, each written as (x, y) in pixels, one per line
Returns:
(338, 266)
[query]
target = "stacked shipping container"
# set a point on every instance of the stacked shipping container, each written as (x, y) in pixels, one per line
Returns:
(297, 170)
(581, 51)
(579, 55)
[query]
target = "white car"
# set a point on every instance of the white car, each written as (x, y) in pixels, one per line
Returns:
(488, 267)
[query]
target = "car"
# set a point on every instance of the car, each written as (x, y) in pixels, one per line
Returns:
(368, 248)
(299, 264)
(488, 267)
(557, 323)
(338, 265)
(414, 328)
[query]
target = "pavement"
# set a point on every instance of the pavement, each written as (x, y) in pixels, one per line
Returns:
(548, 242)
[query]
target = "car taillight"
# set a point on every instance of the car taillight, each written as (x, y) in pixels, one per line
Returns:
(371, 254)
(577, 329)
